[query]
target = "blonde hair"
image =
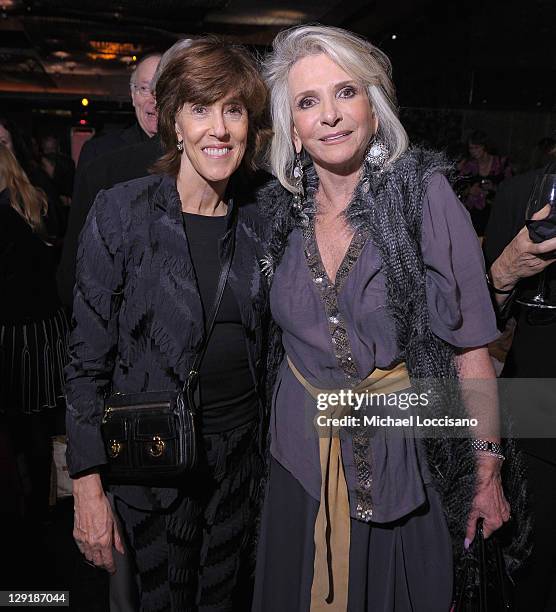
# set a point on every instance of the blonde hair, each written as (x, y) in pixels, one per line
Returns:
(359, 58)
(25, 199)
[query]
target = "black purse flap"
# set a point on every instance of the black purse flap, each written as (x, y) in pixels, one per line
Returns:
(116, 428)
(164, 426)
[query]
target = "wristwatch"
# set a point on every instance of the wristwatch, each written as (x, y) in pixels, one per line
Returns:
(486, 446)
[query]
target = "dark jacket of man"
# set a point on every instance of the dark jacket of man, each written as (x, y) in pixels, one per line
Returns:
(138, 312)
(108, 143)
(112, 167)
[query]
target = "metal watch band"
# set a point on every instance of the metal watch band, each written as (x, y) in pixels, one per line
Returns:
(486, 446)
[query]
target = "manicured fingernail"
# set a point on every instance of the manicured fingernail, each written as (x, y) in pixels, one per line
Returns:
(466, 543)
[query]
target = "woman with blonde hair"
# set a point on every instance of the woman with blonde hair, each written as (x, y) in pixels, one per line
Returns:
(33, 326)
(377, 283)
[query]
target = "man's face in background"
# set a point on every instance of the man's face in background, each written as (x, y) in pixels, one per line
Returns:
(141, 96)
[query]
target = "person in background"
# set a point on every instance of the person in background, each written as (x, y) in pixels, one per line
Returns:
(514, 263)
(111, 159)
(59, 167)
(479, 176)
(56, 218)
(33, 329)
(145, 124)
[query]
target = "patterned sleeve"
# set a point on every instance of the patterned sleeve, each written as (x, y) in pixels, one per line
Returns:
(93, 342)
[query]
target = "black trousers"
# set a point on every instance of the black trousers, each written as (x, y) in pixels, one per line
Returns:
(536, 582)
(198, 555)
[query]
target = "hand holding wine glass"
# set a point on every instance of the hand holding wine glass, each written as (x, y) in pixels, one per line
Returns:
(541, 227)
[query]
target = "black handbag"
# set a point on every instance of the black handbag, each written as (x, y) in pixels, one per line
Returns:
(150, 437)
(492, 588)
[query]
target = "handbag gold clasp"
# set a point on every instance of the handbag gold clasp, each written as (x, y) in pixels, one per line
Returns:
(157, 447)
(115, 448)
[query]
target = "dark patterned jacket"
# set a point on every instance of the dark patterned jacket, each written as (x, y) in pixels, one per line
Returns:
(137, 310)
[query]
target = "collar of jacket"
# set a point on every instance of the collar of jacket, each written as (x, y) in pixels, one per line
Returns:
(164, 195)
(134, 134)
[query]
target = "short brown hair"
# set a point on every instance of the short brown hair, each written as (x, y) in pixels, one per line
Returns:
(206, 71)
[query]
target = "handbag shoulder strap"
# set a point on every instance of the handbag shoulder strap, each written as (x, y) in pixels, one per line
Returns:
(193, 375)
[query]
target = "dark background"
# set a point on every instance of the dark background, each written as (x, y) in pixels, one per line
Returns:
(458, 66)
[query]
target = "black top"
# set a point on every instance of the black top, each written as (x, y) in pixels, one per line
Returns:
(227, 389)
(27, 270)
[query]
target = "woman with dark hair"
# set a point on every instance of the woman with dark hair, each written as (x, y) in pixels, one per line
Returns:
(479, 178)
(148, 265)
(33, 327)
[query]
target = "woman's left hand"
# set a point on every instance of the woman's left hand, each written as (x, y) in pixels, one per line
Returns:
(489, 502)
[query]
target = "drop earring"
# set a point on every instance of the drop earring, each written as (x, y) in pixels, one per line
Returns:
(298, 180)
(179, 146)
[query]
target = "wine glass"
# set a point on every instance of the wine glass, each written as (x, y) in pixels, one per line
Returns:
(542, 196)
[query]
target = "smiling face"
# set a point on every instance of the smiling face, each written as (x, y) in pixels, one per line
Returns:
(332, 116)
(214, 138)
(141, 96)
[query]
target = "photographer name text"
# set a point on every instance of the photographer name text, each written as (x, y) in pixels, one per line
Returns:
(323, 420)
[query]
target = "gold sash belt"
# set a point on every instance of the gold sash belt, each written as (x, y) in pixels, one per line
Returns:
(329, 591)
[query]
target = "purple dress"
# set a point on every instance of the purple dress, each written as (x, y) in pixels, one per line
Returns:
(336, 335)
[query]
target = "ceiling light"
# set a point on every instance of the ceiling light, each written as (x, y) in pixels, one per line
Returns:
(276, 17)
(101, 56)
(120, 48)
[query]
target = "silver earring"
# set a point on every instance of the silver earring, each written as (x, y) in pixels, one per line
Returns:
(179, 146)
(377, 154)
(298, 180)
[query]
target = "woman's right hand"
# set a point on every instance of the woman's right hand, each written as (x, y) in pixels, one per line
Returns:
(95, 530)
